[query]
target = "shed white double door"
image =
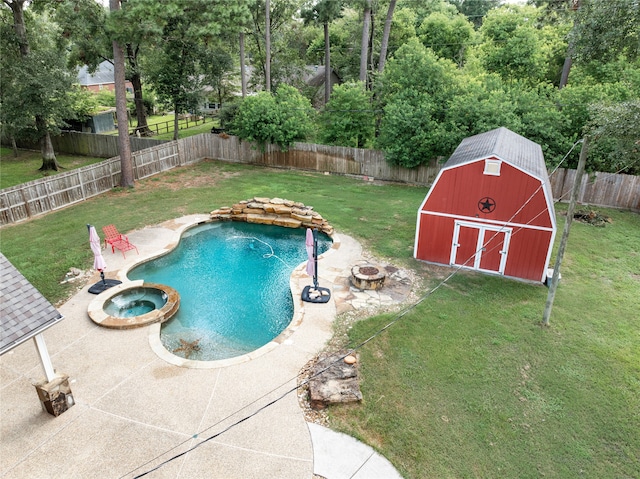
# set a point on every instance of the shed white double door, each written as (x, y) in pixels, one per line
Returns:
(480, 247)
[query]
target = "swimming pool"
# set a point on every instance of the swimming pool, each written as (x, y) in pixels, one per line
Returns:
(233, 280)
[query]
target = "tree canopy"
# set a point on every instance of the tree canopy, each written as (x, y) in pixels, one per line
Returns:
(436, 71)
(281, 118)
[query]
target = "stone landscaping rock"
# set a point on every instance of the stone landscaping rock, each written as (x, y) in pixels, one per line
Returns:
(287, 222)
(339, 383)
(276, 211)
(253, 211)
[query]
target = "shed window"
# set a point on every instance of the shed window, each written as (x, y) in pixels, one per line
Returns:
(492, 167)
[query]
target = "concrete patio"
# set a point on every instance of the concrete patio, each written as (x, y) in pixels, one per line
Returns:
(133, 410)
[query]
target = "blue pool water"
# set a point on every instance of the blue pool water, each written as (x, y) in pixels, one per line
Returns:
(233, 281)
(135, 302)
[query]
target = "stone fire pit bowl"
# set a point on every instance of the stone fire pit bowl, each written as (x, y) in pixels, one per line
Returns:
(368, 276)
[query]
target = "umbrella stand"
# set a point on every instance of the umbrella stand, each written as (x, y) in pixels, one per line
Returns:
(315, 293)
(103, 284)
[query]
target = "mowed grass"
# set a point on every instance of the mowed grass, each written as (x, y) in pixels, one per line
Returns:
(14, 171)
(44, 248)
(467, 383)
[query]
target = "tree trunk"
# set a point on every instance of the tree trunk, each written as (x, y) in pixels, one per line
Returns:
(124, 143)
(327, 64)
(566, 68)
(384, 46)
(243, 73)
(49, 161)
(568, 60)
(17, 7)
(14, 146)
(176, 126)
(267, 41)
(141, 112)
(370, 48)
(364, 51)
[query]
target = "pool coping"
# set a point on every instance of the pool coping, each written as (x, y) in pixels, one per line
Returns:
(298, 276)
(99, 316)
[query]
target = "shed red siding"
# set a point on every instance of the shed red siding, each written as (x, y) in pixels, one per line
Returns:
(490, 209)
(528, 254)
(459, 189)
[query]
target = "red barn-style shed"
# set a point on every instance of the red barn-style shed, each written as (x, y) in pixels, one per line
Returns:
(490, 209)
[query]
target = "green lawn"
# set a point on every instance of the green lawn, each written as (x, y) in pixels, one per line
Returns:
(14, 171)
(467, 384)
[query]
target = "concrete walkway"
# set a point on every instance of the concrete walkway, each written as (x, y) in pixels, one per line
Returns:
(135, 411)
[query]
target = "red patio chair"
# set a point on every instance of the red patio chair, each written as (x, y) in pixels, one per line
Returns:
(116, 240)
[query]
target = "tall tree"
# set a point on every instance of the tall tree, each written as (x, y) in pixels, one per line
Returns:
(243, 67)
(182, 60)
(267, 43)
(285, 61)
(35, 82)
(512, 46)
(384, 45)
(324, 12)
(281, 118)
(475, 10)
(124, 143)
(91, 30)
(604, 30)
(601, 31)
(448, 36)
(568, 60)
(364, 44)
(347, 119)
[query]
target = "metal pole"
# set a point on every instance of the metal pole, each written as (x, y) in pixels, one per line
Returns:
(45, 359)
(315, 258)
(565, 234)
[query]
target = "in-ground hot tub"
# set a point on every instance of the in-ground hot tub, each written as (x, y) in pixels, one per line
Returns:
(133, 304)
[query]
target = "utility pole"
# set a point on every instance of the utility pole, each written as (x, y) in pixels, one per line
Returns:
(565, 234)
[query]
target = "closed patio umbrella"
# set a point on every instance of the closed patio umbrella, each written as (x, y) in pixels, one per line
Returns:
(311, 267)
(315, 294)
(99, 263)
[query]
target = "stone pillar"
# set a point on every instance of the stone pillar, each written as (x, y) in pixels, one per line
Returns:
(55, 396)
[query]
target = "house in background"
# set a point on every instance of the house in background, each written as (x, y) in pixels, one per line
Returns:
(490, 209)
(310, 81)
(102, 79)
(314, 80)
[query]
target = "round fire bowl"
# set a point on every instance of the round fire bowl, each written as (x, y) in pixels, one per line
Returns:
(368, 276)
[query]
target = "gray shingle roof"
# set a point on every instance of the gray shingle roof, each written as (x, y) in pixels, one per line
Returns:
(24, 312)
(506, 145)
(103, 75)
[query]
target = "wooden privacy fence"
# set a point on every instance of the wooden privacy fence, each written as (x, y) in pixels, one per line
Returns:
(34, 198)
(24, 201)
(598, 189)
(90, 144)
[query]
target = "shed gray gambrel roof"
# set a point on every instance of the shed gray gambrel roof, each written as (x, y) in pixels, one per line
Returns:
(507, 146)
(24, 312)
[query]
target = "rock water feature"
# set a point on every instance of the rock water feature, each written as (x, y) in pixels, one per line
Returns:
(274, 211)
